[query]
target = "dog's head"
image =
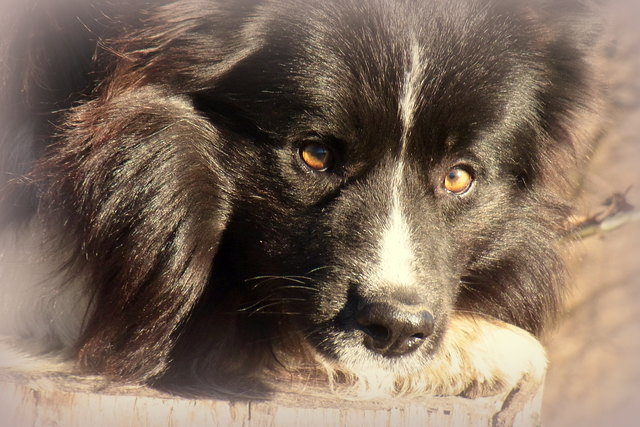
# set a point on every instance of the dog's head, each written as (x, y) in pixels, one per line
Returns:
(351, 171)
(395, 172)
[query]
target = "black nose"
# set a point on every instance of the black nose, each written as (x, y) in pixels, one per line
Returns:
(394, 330)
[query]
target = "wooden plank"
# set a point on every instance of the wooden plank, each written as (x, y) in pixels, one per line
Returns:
(73, 401)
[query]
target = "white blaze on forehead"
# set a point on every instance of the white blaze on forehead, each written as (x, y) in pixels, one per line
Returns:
(410, 95)
(396, 248)
(396, 254)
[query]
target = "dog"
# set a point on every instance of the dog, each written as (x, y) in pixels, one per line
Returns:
(232, 193)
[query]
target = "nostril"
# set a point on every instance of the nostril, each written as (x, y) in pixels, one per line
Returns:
(377, 332)
(394, 329)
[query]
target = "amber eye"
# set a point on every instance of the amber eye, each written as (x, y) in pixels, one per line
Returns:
(457, 181)
(317, 156)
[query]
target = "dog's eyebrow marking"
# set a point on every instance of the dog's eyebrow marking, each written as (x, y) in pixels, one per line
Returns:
(410, 96)
(396, 254)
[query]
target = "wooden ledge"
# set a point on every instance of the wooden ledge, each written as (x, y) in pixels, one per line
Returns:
(70, 401)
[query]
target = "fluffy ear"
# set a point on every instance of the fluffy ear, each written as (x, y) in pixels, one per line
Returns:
(136, 179)
(571, 36)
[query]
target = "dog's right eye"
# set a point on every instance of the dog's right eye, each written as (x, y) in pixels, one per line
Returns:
(317, 156)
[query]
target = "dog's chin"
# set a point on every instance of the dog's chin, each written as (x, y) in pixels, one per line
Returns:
(348, 361)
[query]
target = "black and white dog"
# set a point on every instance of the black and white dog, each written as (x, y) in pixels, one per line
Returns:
(225, 191)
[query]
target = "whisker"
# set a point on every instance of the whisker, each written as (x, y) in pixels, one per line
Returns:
(272, 304)
(271, 301)
(314, 270)
(266, 279)
(285, 313)
(286, 287)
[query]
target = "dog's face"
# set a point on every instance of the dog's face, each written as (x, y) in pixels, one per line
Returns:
(390, 155)
(349, 173)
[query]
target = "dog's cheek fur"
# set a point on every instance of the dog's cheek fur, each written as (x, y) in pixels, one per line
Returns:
(514, 271)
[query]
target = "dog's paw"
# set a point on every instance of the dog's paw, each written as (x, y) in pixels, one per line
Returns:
(480, 356)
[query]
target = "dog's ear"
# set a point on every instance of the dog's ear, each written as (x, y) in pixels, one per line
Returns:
(570, 39)
(578, 55)
(136, 181)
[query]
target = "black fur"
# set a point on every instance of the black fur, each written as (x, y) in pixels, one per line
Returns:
(160, 145)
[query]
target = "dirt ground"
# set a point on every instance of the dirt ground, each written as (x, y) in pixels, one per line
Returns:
(594, 377)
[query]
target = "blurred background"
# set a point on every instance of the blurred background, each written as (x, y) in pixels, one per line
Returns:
(594, 376)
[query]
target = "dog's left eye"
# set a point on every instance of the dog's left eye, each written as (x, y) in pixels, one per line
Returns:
(317, 156)
(458, 180)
